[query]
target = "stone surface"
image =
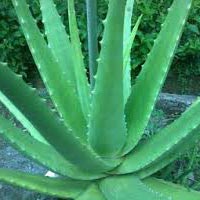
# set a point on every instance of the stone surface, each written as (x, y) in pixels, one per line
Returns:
(173, 103)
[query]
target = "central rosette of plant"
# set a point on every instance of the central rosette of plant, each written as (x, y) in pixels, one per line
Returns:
(95, 145)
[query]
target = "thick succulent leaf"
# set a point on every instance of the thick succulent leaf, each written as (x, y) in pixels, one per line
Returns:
(127, 66)
(58, 40)
(61, 91)
(69, 59)
(128, 20)
(129, 45)
(107, 115)
(92, 39)
(128, 187)
(82, 83)
(41, 153)
(127, 33)
(92, 192)
(170, 142)
(14, 109)
(59, 187)
(47, 124)
(170, 155)
(176, 192)
(150, 80)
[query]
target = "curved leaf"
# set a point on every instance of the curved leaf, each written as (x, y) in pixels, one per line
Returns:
(129, 45)
(79, 70)
(92, 39)
(44, 154)
(150, 80)
(170, 155)
(170, 141)
(92, 192)
(48, 125)
(107, 114)
(14, 109)
(176, 192)
(61, 91)
(58, 40)
(127, 33)
(59, 187)
(128, 187)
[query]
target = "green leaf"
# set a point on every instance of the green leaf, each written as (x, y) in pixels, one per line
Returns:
(44, 154)
(170, 142)
(58, 40)
(107, 115)
(92, 192)
(176, 192)
(128, 20)
(171, 155)
(92, 39)
(128, 187)
(59, 187)
(150, 80)
(36, 112)
(14, 109)
(127, 34)
(79, 69)
(128, 47)
(68, 54)
(61, 91)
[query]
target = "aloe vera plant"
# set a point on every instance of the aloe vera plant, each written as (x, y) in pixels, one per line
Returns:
(95, 144)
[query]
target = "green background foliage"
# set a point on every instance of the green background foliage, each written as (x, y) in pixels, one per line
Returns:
(187, 59)
(12, 43)
(186, 63)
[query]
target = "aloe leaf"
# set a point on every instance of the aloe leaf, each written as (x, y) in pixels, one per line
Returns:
(92, 32)
(170, 155)
(128, 187)
(58, 40)
(127, 66)
(15, 110)
(176, 192)
(127, 33)
(129, 44)
(68, 54)
(59, 187)
(79, 69)
(107, 115)
(92, 191)
(61, 91)
(36, 112)
(150, 80)
(128, 20)
(173, 140)
(43, 154)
